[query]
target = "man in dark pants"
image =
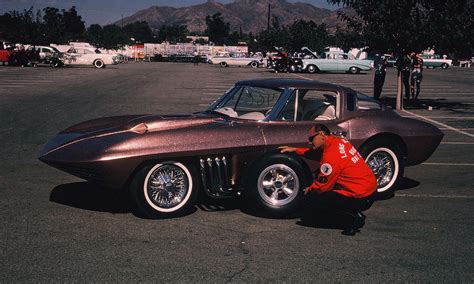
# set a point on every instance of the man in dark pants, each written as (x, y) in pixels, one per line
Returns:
(345, 183)
(380, 65)
(404, 65)
(416, 75)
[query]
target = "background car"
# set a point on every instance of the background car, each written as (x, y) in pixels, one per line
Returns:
(88, 56)
(48, 55)
(435, 61)
(231, 147)
(236, 60)
(336, 62)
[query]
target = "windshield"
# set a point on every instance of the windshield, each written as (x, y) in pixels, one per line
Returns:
(247, 102)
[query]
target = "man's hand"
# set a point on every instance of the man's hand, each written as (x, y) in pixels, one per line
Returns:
(285, 149)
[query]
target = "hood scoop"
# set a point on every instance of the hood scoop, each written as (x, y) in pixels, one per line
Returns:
(158, 123)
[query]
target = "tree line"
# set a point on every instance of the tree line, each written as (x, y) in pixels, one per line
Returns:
(379, 25)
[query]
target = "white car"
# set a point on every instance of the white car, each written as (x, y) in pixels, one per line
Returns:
(88, 56)
(336, 62)
(434, 61)
(236, 60)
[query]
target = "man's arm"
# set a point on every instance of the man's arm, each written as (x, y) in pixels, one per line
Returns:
(288, 149)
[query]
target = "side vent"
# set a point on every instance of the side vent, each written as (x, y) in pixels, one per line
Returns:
(215, 176)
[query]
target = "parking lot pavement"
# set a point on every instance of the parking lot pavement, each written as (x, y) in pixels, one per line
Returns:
(56, 227)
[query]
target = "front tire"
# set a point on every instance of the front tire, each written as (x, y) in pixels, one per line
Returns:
(164, 190)
(444, 65)
(385, 160)
(276, 185)
(254, 64)
(224, 64)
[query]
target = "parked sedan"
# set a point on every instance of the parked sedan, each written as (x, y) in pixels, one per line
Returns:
(48, 55)
(231, 147)
(337, 62)
(88, 56)
(434, 61)
(236, 60)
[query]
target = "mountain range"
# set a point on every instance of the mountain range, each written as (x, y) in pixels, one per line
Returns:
(248, 15)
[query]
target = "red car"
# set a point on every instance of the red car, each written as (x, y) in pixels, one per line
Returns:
(164, 161)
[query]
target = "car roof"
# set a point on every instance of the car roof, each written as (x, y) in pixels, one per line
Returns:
(277, 83)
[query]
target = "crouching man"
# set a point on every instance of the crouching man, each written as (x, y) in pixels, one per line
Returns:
(345, 183)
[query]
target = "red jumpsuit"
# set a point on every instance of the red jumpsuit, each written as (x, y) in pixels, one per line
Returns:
(343, 170)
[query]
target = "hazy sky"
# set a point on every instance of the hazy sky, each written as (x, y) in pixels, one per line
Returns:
(106, 11)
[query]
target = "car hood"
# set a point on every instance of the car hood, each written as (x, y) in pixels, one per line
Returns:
(134, 124)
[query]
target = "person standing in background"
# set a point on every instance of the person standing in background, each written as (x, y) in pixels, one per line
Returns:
(380, 64)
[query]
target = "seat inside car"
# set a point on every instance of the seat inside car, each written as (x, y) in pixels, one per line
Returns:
(318, 110)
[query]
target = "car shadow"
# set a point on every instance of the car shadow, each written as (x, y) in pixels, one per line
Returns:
(89, 196)
(207, 204)
(312, 217)
(430, 104)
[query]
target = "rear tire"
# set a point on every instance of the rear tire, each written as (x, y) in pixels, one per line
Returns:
(276, 185)
(312, 69)
(444, 65)
(384, 158)
(254, 64)
(224, 64)
(354, 70)
(164, 190)
(99, 64)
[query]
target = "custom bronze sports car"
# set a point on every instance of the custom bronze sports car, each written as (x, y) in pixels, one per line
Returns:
(231, 147)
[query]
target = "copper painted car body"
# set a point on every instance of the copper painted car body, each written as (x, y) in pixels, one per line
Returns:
(232, 146)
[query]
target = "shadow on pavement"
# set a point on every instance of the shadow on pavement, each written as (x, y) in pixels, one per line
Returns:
(89, 196)
(433, 103)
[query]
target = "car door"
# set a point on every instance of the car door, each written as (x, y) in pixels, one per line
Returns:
(303, 110)
(86, 56)
(72, 57)
(343, 62)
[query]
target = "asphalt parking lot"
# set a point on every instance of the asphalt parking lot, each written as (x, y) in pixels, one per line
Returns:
(55, 227)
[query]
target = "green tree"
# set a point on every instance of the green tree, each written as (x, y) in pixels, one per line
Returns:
(73, 25)
(112, 37)
(52, 26)
(217, 28)
(308, 34)
(20, 27)
(173, 33)
(404, 26)
(94, 34)
(140, 31)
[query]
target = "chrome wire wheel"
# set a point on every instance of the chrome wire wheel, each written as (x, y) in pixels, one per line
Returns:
(278, 185)
(168, 186)
(384, 164)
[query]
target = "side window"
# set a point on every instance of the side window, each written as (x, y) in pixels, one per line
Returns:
(72, 50)
(87, 51)
(367, 103)
(288, 111)
(351, 101)
(318, 105)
